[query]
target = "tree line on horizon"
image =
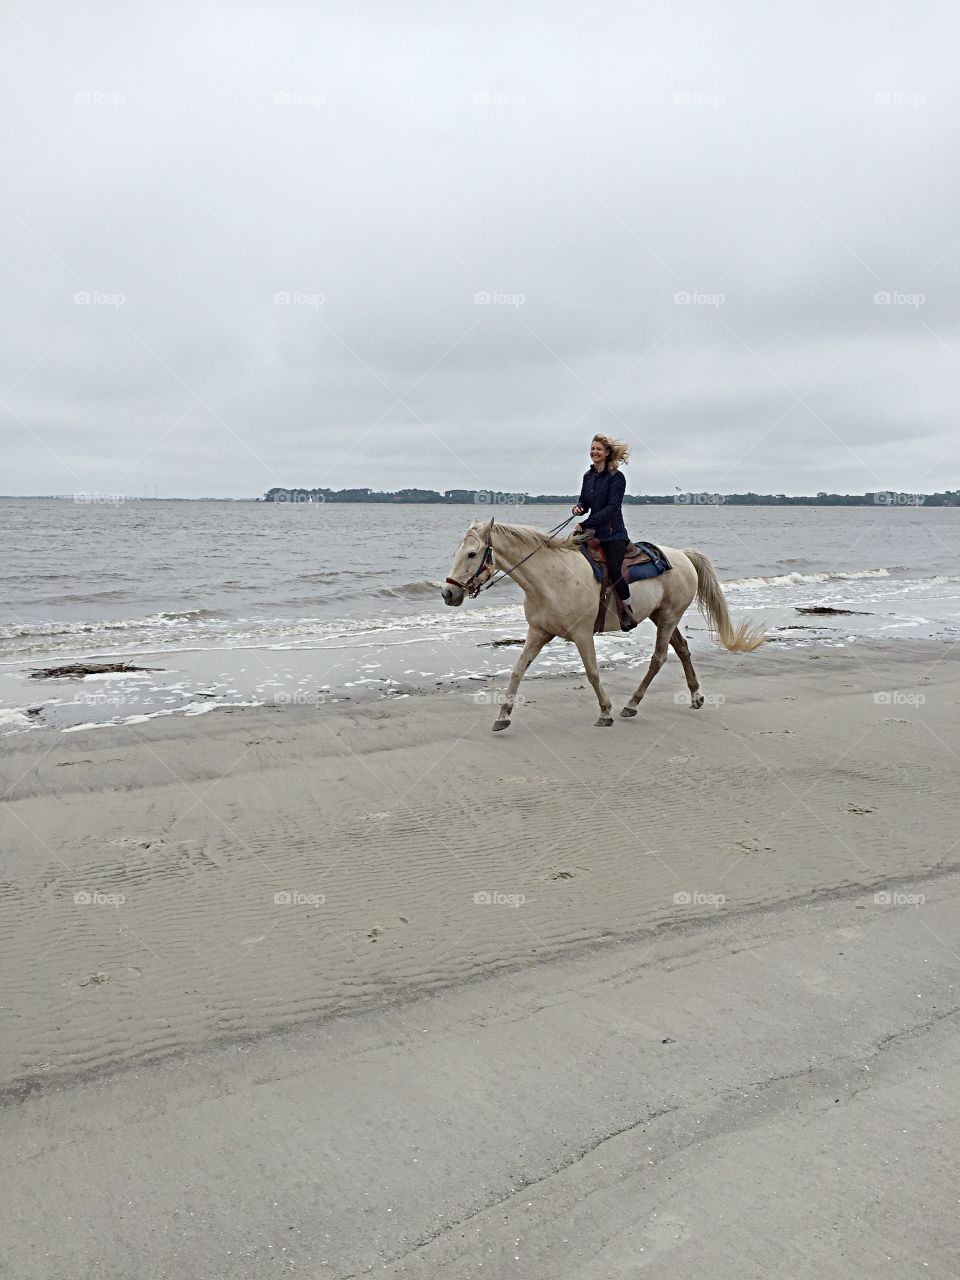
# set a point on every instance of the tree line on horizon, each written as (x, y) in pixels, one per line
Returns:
(495, 498)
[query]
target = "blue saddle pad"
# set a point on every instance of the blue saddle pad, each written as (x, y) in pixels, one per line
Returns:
(652, 568)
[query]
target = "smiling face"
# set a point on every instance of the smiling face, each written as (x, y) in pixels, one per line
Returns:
(598, 453)
(468, 567)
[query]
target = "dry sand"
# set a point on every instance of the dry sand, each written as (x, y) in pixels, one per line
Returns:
(135, 1062)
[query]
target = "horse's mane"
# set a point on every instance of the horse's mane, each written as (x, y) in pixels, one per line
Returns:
(530, 537)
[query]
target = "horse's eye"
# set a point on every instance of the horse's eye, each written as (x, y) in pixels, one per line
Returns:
(471, 555)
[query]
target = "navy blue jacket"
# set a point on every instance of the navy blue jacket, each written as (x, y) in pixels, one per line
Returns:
(602, 495)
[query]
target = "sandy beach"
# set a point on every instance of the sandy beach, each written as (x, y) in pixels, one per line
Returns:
(196, 879)
(288, 973)
(335, 335)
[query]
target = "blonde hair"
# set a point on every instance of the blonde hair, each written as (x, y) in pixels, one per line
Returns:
(617, 451)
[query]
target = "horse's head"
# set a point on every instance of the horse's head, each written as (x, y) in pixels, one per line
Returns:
(472, 565)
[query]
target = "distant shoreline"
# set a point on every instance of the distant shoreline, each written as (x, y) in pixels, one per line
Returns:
(494, 499)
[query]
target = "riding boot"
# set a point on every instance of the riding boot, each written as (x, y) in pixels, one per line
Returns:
(627, 620)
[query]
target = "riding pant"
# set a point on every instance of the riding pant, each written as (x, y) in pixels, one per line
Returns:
(615, 549)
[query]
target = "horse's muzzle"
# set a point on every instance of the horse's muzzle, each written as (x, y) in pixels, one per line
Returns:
(452, 595)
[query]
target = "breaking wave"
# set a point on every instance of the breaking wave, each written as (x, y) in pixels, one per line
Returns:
(408, 590)
(46, 630)
(801, 579)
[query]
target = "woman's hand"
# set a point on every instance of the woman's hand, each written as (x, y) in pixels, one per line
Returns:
(578, 511)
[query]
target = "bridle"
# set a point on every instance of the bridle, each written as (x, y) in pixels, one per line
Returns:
(472, 587)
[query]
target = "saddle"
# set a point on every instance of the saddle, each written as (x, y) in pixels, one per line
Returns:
(640, 560)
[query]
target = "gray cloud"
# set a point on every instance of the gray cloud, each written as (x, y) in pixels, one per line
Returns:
(727, 234)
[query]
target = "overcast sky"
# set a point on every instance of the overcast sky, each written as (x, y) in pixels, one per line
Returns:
(587, 167)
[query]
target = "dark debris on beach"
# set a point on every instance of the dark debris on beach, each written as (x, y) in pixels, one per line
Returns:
(77, 670)
(828, 611)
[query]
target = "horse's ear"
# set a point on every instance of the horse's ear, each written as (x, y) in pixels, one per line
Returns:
(487, 529)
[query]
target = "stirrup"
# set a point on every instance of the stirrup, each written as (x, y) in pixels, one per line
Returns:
(627, 620)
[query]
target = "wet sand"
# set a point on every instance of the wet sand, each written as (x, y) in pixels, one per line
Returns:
(189, 880)
(769, 1095)
(193, 908)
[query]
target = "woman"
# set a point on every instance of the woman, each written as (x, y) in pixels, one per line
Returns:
(602, 495)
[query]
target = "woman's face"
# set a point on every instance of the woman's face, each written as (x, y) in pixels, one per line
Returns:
(598, 452)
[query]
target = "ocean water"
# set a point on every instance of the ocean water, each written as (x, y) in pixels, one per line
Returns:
(236, 603)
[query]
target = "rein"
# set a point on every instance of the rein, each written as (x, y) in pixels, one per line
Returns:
(497, 577)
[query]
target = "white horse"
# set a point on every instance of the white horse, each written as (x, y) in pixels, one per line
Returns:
(562, 598)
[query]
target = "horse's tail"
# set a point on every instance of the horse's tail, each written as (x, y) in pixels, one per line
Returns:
(741, 639)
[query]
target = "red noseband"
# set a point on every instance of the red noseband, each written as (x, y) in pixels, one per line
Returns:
(472, 587)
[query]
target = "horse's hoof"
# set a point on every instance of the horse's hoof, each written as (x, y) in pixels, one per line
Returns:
(604, 722)
(628, 713)
(500, 724)
(697, 702)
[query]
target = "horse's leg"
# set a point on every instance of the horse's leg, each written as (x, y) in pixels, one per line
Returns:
(588, 653)
(682, 650)
(536, 639)
(665, 629)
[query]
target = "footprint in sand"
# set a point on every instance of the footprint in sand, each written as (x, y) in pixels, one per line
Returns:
(754, 846)
(562, 873)
(95, 980)
(377, 931)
